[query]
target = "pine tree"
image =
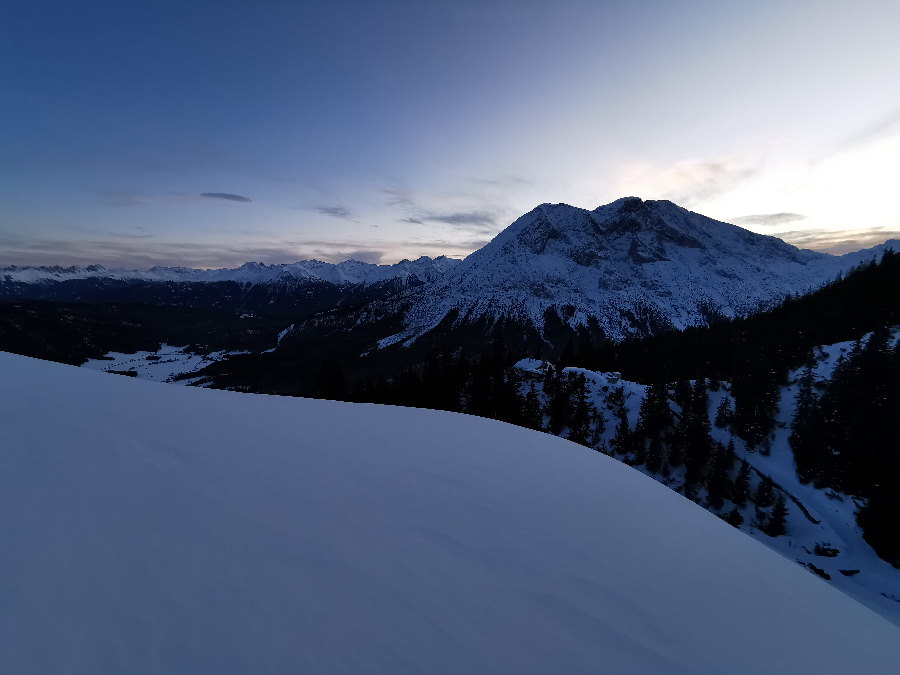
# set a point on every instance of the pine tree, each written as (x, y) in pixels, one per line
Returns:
(765, 493)
(695, 432)
(724, 413)
(804, 426)
(655, 416)
(676, 453)
(580, 422)
(532, 410)
(656, 456)
(741, 492)
(560, 407)
(776, 525)
(622, 441)
(734, 518)
(718, 482)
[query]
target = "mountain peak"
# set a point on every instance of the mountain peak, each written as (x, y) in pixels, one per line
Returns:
(622, 203)
(633, 265)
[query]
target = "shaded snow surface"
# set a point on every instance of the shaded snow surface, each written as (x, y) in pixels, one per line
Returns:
(157, 529)
(164, 365)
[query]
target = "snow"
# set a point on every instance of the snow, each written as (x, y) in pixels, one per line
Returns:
(152, 529)
(531, 366)
(650, 260)
(347, 272)
(877, 584)
(163, 365)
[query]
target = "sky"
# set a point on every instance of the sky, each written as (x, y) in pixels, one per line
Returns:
(212, 133)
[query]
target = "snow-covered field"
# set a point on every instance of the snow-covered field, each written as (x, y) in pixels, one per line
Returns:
(153, 529)
(163, 365)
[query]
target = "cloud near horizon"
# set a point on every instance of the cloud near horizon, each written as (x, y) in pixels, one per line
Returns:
(838, 242)
(125, 250)
(227, 196)
(767, 219)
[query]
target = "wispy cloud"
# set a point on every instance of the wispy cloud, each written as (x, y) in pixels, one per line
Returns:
(227, 196)
(883, 126)
(124, 250)
(462, 218)
(767, 219)
(124, 198)
(341, 212)
(398, 197)
(478, 221)
(503, 181)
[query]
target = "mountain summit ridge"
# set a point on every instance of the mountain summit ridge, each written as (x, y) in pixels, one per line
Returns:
(634, 266)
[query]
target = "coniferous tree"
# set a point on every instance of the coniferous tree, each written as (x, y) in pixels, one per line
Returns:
(724, 413)
(676, 452)
(559, 407)
(695, 434)
(741, 492)
(532, 410)
(718, 482)
(580, 421)
(654, 416)
(765, 493)
(330, 382)
(656, 456)
(776, 525)
(803, 439)
(622, 442)
(734, 518)
(755, 388)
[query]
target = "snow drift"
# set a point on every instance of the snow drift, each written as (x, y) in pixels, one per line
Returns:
(151, 529)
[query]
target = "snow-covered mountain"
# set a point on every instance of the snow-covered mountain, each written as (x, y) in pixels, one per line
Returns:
(347, 272)
(150, 528)
(635, 266)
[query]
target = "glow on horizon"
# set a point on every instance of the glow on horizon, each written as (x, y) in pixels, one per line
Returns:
(341, 130)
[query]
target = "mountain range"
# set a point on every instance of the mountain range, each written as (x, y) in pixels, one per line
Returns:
(639, 296)
(633, 266)
(629, 268)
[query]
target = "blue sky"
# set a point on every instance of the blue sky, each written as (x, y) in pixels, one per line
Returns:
(208, 134)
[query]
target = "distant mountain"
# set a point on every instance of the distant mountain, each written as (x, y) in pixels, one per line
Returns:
(631, 267)
(556, 275)
(295, 289)
(347, 272)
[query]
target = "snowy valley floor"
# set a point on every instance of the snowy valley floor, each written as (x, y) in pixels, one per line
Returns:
(158, 529)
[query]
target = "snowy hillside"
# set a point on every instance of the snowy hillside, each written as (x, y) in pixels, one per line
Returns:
(347, 272)
(636, 266)
(821, 529)
(150, 528)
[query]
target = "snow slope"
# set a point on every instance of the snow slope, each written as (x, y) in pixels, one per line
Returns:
(873, 581)
(347, 272)
(636, 266)
(158, 529)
